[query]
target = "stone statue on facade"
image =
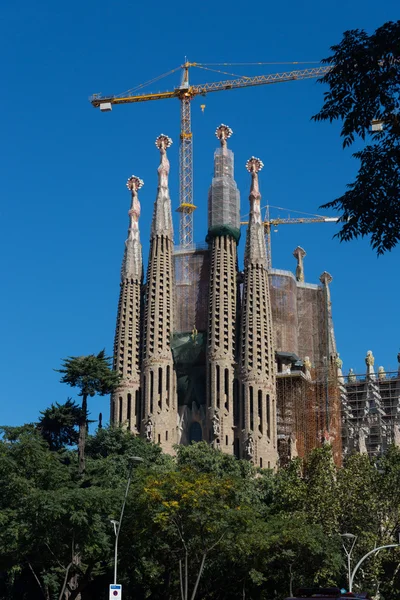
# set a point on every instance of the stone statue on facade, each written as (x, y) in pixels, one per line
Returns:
(352, 376)
(338, 361)
(362, 443)
(381, 373)
(249, 446)
(293, 452)
(216, 425)
(148, 429)
(307, 365)
(396, 435)
(194, 334)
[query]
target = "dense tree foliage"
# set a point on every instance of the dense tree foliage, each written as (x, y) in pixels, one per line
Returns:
(198, 525)
(364, 86)
(58, 424)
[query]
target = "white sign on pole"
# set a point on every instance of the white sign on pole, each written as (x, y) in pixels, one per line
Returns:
(115, 591)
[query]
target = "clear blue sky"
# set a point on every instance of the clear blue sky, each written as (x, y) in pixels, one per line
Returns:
(64, 166)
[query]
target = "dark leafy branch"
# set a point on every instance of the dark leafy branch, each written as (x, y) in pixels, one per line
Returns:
(364, 86)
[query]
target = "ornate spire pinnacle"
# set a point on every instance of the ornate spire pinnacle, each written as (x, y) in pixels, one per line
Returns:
(255, 242)
(326, 278)
(254, 166)
(223, 133)
(162, 216)
(299, 253)
(132, 263)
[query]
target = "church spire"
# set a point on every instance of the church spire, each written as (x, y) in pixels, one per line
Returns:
(132, 262)
(125, 401)
(159, 406)
(255, 251)
(162, 216)
(223, 235)
(223, 195)
(257, 355)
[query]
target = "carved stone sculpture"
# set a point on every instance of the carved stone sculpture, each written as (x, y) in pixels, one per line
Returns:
(381, 373)
(216, 425)
(369, 359)
(148, 429)
(352, 376)
(249, 446)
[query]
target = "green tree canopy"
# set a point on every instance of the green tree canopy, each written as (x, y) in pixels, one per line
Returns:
(58, 424)
(92, 375)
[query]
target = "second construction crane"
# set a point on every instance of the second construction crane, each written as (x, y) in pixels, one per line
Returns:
(185, 93)
(274, 222)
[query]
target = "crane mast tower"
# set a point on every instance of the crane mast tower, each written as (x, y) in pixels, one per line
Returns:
(185, 93)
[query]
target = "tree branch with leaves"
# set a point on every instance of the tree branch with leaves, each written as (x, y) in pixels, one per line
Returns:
(364, 86)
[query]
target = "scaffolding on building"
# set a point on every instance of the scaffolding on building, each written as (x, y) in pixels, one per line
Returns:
(308, 367)
(308, 412)
(371, 412)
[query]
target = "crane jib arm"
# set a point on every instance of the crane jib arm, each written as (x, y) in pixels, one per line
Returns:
(216, 86)
(96, 101)
(242, 82)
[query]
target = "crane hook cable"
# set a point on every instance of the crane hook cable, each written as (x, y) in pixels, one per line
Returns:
(150, 81)
(222, 72)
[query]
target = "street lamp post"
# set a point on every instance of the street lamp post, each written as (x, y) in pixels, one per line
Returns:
(348, 549)
(117, 524)
(351, 574)
(366, 556)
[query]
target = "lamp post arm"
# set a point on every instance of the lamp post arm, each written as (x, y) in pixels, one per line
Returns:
(362, 560)
(124, 502)
(119, 525)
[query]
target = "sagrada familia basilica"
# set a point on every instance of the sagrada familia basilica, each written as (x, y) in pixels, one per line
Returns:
(244, 358)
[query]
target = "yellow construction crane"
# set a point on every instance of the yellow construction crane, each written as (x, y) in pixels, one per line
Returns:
(268, 223)
(185, 93)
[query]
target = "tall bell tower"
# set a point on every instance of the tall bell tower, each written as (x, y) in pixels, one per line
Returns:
(159, 408)
(223, 237)
(125, 402)
(257, 356)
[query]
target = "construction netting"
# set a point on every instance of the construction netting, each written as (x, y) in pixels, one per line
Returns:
(189, 352)
(191, 288)
(308, 414)
(299, 317)
(283, 292)
(313, 335)
(223, 196)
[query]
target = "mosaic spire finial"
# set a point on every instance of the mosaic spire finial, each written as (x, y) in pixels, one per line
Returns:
(223, 133)
(163, 142)
(254, 166)
(132, 263)
(255, 242)
(162, 216)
